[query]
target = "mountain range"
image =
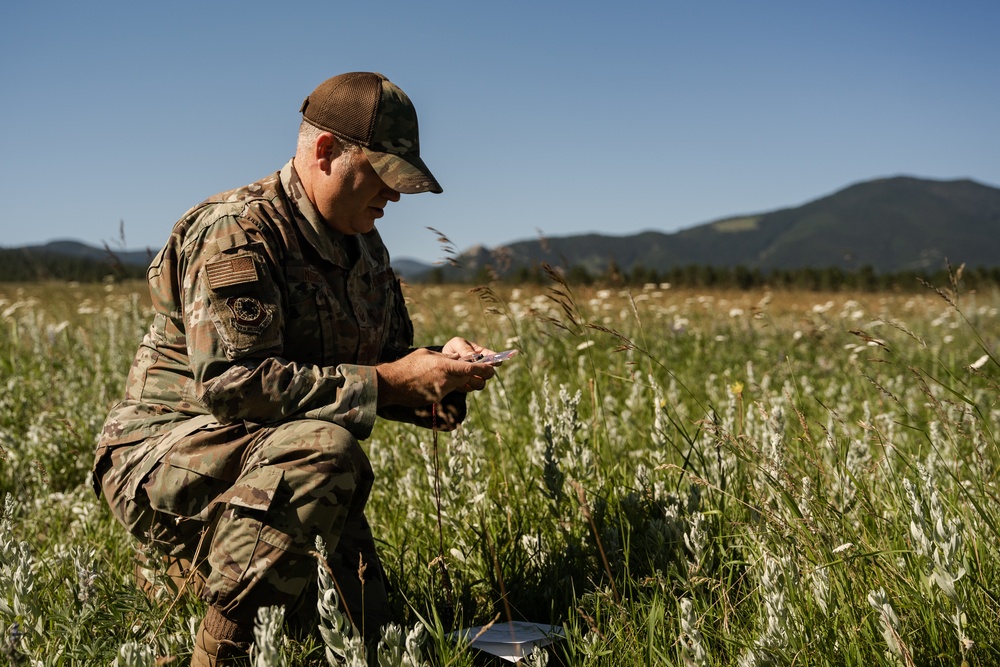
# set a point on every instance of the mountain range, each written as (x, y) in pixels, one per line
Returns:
(889, 225)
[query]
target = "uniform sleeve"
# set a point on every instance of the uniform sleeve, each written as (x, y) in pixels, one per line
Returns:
(235, 316)
(452, 410)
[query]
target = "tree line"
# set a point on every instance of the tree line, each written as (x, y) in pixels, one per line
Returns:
(18, 265)
(829, 279)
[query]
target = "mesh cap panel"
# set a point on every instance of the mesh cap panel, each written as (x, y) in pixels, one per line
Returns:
(346, 105)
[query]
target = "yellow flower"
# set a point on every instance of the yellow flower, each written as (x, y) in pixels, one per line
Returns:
(736, 388)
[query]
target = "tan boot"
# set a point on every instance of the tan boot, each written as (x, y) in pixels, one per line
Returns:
(221, 642)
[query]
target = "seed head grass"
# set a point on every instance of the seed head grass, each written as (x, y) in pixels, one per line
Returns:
(673, 477)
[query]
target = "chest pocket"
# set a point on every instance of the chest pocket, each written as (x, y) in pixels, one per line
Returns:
(317, 331)
(311, 326)
(371, 307)
(341, 320)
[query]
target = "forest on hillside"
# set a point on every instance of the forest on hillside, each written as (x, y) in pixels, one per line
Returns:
(824, 279)
(19, 266)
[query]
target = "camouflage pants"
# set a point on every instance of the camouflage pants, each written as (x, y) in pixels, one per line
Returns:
(245, 504)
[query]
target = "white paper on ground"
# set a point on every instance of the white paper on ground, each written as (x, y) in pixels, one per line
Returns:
(510, 641)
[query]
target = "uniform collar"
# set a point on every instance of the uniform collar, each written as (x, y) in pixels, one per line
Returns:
(330, 244)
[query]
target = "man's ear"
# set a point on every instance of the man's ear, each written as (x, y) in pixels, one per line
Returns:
(325, 149)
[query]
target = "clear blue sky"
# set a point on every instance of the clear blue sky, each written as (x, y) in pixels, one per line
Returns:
(551, 118)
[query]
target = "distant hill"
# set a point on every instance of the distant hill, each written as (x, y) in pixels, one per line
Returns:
(70, 260)
(410, 268)
(890, 225)
(76, 249)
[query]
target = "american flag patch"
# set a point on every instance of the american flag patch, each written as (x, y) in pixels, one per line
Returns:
(230, 271)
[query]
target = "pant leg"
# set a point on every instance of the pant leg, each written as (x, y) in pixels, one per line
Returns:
(246, 506)
(321, 479)
(162, 489)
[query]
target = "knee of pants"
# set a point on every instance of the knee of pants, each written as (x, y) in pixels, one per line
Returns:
(322, 465)
(300, 481)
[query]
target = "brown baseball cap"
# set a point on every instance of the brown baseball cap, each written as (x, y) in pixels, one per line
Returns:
(368, 109)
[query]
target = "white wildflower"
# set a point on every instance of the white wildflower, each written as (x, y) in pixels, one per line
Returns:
(939, 544)
(538, 557)
(980, 362)
(135, 654)
(696, 538)
(890, 624)
(341, 641)
(538, 657)
(806, 499)
(692, 649)
(820, 580)
(267, 637)
(398, 650)
(86, 575)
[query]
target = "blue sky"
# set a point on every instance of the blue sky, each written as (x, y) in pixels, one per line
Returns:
(538, 118)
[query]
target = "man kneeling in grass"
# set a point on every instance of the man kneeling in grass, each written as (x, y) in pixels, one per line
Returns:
(279, 333)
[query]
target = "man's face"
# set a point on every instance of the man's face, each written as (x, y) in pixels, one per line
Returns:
(351, 197)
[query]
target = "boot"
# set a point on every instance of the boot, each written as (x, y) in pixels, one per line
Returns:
(221, 642)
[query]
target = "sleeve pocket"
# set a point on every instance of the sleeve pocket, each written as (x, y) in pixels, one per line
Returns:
(243, 303)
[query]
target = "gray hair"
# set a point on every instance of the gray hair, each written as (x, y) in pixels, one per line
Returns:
(308, 133)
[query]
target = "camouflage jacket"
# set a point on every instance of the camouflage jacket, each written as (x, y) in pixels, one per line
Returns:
(262, 316)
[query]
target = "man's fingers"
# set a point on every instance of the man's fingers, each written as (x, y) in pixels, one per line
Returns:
(470, 368)
(474, 384)
(470, 376)
(424, 377)
(461, 347)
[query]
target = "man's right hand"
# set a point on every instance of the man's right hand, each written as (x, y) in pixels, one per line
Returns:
(424, 377)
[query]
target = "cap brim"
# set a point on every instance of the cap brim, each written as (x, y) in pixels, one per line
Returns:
(403, 173)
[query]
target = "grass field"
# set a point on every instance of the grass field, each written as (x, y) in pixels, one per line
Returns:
(674, 477)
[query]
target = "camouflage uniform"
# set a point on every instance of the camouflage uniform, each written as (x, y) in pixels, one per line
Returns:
(237, 441)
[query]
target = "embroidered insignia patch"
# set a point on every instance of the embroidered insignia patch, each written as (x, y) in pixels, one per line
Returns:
(230, 271)
(249, 314)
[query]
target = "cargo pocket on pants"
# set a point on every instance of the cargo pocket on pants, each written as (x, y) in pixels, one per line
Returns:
(234, 552)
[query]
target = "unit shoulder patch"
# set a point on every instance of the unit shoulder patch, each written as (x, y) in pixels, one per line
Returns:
(249, 314)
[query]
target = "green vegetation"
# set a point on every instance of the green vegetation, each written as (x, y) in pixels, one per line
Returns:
(675, 476)
(829, 279)
(29, 267)
(745, 223)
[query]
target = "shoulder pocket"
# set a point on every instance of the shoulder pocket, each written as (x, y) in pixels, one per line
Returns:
(242, 301)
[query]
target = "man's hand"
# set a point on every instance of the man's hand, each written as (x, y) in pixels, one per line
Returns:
(460, 348)
(424, 377)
